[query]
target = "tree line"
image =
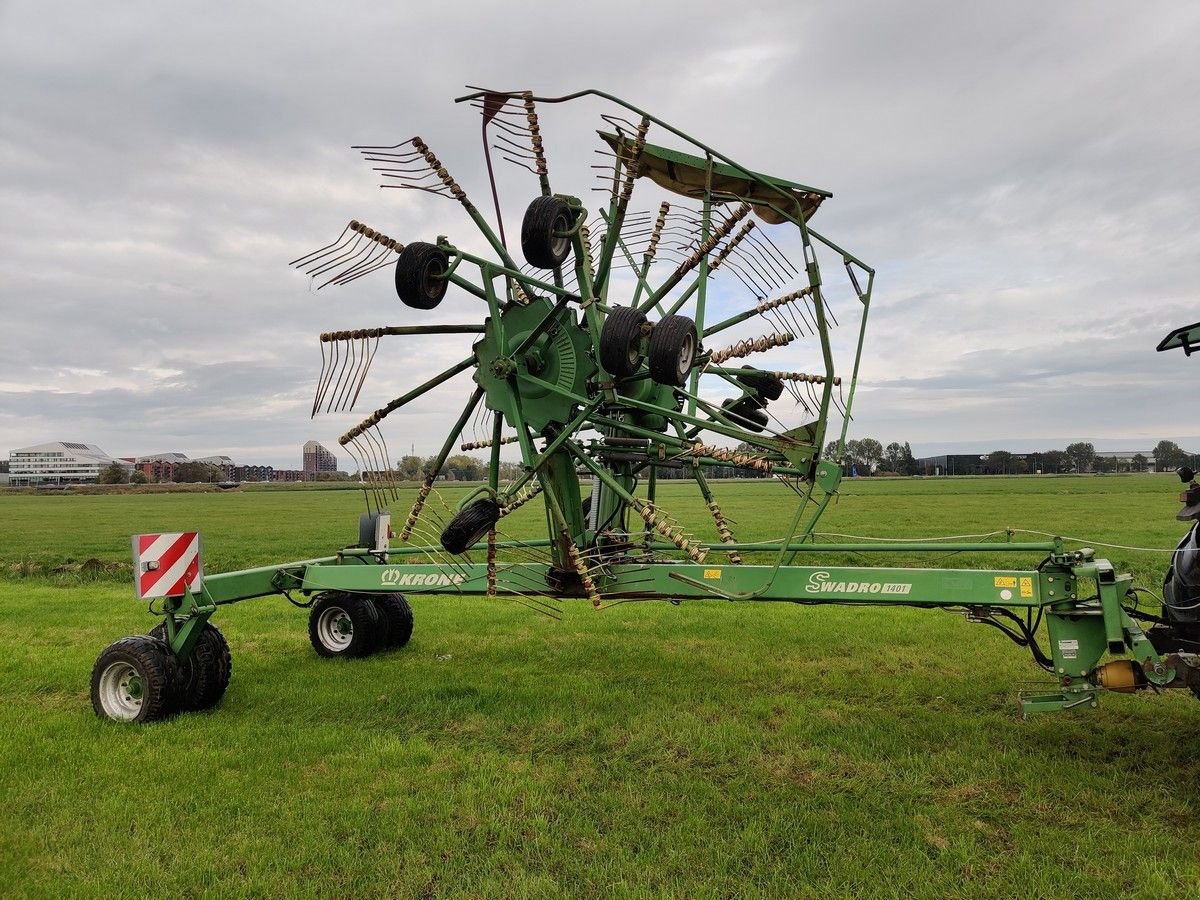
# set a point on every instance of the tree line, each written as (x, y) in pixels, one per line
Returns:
(868, 455)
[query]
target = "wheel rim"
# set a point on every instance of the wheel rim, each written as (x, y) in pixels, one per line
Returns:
(121, 691)
(432, 282)
(560, 244)
(687, 352)
(335, 630)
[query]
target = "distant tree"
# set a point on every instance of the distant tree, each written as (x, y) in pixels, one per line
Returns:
(831, 450)
(198, 472)
(908, 462)
(1019, 466)
(999, 462)
(1138, 463)
(113, 473)
(464, 468)
(409, 468)
(871, 452)
(893, 457)
(138, 477)
(1052, 461)
(1081, 455)
(1168, 455)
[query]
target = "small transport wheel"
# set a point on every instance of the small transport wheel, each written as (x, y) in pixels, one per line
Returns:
(395, 619)
(543, 232)
(672, 350)
(469, 525)
(747, 412)
(346, 625)
(134, 680)
(766, 385)
(620, 341)
(419, 275)
(202, 678)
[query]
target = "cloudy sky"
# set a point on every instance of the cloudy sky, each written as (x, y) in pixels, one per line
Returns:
(1024, 177)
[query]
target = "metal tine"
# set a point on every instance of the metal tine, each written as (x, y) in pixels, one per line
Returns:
(320, 381)
(379, 464)
(770, 252)
(337, 382)
(350, 251)
(386, 483)
(301, 261)
(366, 469)
(342, 391)
(364, 257)
(361, 471)
(375, 258)
(383, 263)
(366, 367)
(322, 389)
(391, 470)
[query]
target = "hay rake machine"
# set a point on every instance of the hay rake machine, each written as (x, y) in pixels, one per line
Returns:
(612, 350)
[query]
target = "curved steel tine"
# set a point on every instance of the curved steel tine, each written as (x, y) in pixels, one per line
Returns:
(320, 251)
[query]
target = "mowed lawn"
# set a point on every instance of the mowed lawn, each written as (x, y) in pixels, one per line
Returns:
(710, 749)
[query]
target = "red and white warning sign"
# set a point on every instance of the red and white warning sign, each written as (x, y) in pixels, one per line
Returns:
(164, 563)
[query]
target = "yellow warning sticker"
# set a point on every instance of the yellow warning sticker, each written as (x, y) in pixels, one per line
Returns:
(1009, 581)
(712, 574)
(1027, 587)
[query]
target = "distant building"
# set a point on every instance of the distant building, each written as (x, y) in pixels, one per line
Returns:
(160, 466)
(317, 461)
(254, 473)
(59, 462)
(290, 475)
(224, 463)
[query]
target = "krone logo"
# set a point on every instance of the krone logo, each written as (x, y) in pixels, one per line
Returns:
(397, 577)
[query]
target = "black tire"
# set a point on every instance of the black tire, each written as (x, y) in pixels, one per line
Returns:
(418, 275)
(672, 350)
(469, 525)
(542, 240)
(344, 625)
(395, 619)
(766, 385)
(747, 412)
(134, 680)
(201, 679)
(620, 341)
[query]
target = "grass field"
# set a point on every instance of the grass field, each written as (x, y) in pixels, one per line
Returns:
(710, 749)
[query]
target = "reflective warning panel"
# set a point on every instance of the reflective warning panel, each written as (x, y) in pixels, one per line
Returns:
(164, 563)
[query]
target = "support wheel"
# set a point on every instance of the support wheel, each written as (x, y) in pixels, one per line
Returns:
(345, 625)
(202, 678)
(420, 275)
(134, 680)
(469, 525)
(544, 239)
(766, 385)
(395, 618)
(620, 341)
(672, 350)
(747, 412)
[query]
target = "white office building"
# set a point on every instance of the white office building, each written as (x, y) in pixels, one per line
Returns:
(60, 462)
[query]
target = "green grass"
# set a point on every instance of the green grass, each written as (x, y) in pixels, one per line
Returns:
(707, 750)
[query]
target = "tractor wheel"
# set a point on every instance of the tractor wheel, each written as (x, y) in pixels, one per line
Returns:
(345, 625)
(620, 341)
(672, 350)
(419, 275)
(747, 412)
(469, 525)
(202, 678)
(134, 680)
(764, 384)
(395, 618)
(543, 232)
